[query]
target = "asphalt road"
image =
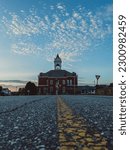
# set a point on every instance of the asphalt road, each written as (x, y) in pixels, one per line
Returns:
(31, 122)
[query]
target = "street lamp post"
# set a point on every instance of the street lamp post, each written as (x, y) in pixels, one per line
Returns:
(97, 77)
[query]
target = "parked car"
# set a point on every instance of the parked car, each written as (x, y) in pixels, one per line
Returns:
(5, 92)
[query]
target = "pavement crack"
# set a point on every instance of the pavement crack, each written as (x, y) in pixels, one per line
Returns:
(23, 105)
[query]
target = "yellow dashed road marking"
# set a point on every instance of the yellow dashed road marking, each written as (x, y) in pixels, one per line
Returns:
(73, 132)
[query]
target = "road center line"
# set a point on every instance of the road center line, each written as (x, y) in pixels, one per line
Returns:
(73, 132)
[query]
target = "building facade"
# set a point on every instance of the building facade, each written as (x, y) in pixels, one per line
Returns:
(57, 81)
(104, 89)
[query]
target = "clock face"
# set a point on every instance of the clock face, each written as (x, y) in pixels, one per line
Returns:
(57, 66)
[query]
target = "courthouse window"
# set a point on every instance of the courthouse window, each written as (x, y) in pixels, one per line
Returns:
(70, 82)
(63, 81)
(51, 89)
(63, 89)
(51, 82)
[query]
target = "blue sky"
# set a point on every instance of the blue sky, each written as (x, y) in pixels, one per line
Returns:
(33, 31)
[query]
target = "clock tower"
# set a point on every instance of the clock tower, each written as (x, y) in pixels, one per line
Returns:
(57, 63)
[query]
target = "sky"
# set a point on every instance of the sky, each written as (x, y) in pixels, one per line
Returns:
(33, 32)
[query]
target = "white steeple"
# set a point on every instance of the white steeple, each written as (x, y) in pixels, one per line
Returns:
(57, 63)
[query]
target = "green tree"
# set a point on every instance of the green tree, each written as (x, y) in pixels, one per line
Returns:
(21, 91)
(30, 89)
(0, 88)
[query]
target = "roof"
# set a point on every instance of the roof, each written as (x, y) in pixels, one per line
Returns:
(58, 73)
(57, 58)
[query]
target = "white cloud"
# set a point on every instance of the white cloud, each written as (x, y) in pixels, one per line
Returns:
(26, 48)
(69, 34)
(61, 6)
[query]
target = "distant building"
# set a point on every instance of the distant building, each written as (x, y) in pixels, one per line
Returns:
(83, 90)
(104, 89)
(57, 81)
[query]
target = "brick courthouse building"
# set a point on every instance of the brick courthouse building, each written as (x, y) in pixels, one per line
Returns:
(57, 81)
